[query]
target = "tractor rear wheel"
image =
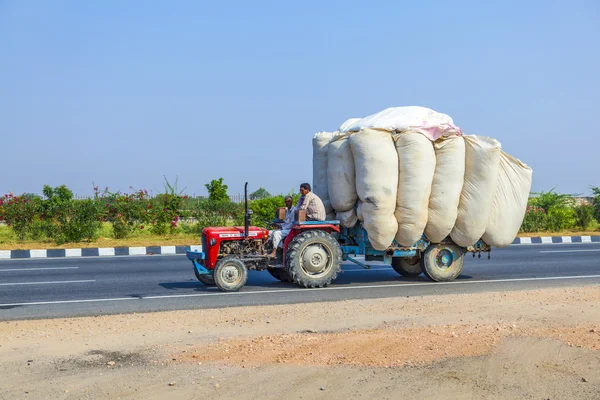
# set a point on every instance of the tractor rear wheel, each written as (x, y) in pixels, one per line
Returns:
(407, 266)
(443, 262)
(279, 274)
(230, 274)
(313, 259)
(207, 279)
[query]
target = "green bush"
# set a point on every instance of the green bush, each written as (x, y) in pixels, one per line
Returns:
(536, 220)
(584, 215)
(68, 220)
(596, 202)
(561, 218)
(209, 212)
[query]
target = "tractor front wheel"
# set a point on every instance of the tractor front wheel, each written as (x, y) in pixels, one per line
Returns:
(230, 274)
(207, 279)
(313, 259)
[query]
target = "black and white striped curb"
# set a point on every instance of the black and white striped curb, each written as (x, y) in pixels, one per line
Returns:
(152, 250)
(557, 239)
(96, 252)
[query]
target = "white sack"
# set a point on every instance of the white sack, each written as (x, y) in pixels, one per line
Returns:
(482, 159)
(341, 180)
(347, 218)
(359, 213)
(349, 122)
(424, 120)
(319, 186)
(510, 202)
(446, 187)
(376, 164)
(416, 165)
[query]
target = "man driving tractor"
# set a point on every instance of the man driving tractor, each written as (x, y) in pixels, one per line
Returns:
(280, 234)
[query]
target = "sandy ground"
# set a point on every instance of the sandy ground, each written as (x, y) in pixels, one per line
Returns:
(542, 344)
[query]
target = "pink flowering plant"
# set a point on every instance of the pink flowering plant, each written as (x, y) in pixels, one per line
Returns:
(20, 213)
(127, 212)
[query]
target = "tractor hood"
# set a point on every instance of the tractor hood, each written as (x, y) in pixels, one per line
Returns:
(225, 232)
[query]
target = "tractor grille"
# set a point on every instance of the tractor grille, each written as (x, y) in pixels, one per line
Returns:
(204, 248)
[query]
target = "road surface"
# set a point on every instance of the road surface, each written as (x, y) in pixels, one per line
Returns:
(107, 285)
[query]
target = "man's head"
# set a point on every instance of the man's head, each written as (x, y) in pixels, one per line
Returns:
(304, 188)
(288, 201)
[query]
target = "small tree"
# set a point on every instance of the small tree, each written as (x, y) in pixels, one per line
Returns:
(261, 193)
(217, 191)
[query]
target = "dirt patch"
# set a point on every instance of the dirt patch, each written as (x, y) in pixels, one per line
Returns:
(386, 347)
(534, 344)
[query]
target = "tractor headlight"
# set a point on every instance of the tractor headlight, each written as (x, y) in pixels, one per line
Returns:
(213, 242)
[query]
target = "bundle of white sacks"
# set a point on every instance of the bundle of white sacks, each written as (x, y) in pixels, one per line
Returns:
(406, 171)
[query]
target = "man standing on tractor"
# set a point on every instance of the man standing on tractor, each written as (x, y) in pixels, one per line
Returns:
(315, 210)
(280, 234)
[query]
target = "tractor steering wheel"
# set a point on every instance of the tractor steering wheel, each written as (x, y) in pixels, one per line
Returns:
(271, 225)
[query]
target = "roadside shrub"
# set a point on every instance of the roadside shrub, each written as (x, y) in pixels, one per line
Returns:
(584, 215)
(536, 220)
(20, 213)
(68, 220)
(264, 209)
(126, 212)
(561, 218)
(166, 210)
(596, 202)
(209, 212)
(551, 199)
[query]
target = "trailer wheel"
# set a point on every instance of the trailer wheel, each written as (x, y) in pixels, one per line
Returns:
(279, 274)
(313, 259)
(407, 266)
(443, 262)
(207, 279)
(230, 274)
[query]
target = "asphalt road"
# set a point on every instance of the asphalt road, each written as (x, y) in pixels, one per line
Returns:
(107, 285)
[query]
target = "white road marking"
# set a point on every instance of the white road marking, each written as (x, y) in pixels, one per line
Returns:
(550, 278)
(46, 283)
(567, 251)
(35, 269)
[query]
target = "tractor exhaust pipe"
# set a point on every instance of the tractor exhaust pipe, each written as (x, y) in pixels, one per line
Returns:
(246, 213)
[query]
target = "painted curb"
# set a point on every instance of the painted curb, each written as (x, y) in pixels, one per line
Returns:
(158, 250)
(95, 252)
(556, 240)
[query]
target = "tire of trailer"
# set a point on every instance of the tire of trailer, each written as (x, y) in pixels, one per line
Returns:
(443, 262)
(313, 259)
(207, 279)
(279, 274)
(230, 274)
(407, 266)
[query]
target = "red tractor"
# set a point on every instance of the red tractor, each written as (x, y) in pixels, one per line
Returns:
(313, 251)
(310, 256)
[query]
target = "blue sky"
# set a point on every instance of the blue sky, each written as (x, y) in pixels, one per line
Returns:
(120, 93)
